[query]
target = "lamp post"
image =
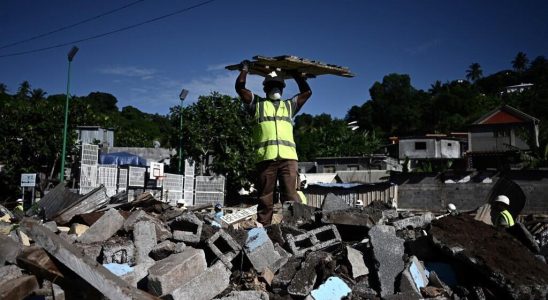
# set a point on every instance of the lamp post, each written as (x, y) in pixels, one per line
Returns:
(70, 57)
(182, 96)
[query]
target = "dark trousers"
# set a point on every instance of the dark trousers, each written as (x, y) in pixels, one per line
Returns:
(269, 171)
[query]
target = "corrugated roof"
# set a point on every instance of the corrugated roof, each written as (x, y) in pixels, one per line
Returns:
(313, 178)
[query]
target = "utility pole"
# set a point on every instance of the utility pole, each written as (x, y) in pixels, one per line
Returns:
(182, 96)
(70, 56)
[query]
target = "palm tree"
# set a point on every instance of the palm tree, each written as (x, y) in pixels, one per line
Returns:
(3, 88)
(520, 62)
(24, 90)
(37, 94)
(474, 72)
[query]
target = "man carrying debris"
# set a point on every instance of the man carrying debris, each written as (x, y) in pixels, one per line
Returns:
(276, 153)
(503, 217)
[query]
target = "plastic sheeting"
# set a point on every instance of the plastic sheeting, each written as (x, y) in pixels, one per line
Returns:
(122, 158)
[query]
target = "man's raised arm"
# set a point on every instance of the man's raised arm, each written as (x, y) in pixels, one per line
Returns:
(304, 89)
(244, 93)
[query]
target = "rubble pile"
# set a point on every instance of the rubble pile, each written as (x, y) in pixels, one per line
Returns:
(89, 248)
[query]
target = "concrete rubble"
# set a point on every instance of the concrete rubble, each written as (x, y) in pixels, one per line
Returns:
(147, 249)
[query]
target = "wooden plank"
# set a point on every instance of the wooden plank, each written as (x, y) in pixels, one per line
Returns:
(94, 273)
(262, 65)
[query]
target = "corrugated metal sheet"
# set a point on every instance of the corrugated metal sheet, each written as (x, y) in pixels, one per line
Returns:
(56, 200)
(88, 203)
(312, 178)
(385, 192)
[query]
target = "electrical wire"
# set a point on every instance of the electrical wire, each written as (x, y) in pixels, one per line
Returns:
(109, 32)
(71, 25)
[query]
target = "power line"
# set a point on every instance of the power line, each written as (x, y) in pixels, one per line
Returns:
(71, 25)
(109, 32)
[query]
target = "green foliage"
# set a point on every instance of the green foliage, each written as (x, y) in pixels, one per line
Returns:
(217, 136)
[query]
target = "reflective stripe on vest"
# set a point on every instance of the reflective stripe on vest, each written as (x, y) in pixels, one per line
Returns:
(302, 197)
(273, 133)
(508, 217)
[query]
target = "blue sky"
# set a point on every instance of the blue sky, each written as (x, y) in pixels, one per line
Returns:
(146, 67)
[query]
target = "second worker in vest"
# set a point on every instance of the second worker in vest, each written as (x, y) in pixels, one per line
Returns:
(503, 218)
(276, 153)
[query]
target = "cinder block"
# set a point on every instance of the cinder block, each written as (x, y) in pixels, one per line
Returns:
(187, 228)
(260, 250)
(314, 240)
(118, 250)
(144, 238)
(92, 251)
(170, 273)
(224, 247)
(105, 227)
(204, 286)
(163, 250)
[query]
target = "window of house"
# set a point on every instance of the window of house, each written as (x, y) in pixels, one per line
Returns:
(448, 144)
(353, 167)
(329, 169)
(420, 145)
(501, 133)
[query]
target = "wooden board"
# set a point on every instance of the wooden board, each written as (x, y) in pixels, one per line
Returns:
(262, 65)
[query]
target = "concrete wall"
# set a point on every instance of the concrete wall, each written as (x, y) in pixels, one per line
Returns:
(89, 136)
(428, 192)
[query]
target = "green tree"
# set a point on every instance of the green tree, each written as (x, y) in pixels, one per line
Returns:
(3, 88)
(520, 62)
(23, 91)
(217, 136)
(37, 94)
(474, 72)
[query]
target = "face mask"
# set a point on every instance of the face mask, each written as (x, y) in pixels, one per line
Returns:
(275, 94)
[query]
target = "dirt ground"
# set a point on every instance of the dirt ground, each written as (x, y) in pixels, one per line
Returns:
(496, 248)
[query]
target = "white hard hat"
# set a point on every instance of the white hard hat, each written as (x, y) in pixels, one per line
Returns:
(19, 200)
(503, 199)
(451, 207)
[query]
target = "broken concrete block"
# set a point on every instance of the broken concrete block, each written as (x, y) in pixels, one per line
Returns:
(416, 274)
(107, 283)
(520, 232)
(260, 250)
(58, 292)
(314, 240)
(305, 278)
(118, 250)
(70, 238)
(163, 250)
(389, 214)
(9, 272)
(144, 238)
(361, 290)
(136, 216)
(246, 295)
(331, 202)
(204, 286)
(238, 216)
(298, 213)
(9, 250)
(104, 228)
(388, 251)
(92, 251)
(332, 288)
(354, 217)
(284, 276)
(19, 288)
(23, 238)
(78, 229)
(355, 257)
(414, 222)
(224, 247)
(172, 272)
(267, 276)
(187, 228)
(51, 225)
(140, 271)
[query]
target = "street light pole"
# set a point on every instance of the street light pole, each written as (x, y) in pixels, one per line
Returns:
(182, 96)
(70, 56)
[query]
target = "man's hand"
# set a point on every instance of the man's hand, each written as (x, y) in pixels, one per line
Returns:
(244, 65)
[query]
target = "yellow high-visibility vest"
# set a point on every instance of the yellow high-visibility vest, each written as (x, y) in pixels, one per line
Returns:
(507, 217)
(273, 132)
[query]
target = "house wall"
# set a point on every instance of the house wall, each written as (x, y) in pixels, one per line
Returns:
(449, 148)
(489, 141)
(89, 136)
(434, 149)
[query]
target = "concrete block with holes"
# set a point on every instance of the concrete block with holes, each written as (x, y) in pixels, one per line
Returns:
(187, 228)
(314, 240)
(224, 247)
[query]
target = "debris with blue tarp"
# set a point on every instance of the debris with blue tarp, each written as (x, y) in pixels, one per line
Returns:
(122, 158)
